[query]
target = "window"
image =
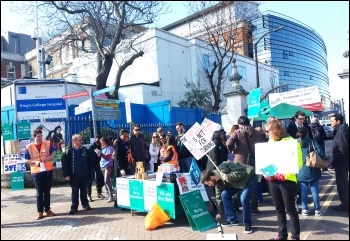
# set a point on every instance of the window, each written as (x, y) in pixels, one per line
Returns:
(286, 73)
(51, 65)
(30, 73)
(206, 62)
(242, 72)
(11, 74)
(229, 70)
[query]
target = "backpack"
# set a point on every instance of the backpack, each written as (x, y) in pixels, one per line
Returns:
(316, 133)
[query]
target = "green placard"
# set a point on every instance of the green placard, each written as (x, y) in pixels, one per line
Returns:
(254, 103)
(7, 132)
(17, 181)
(190, 220)
(23, 130)
(166, 198)
(197, 210)
(136, 195)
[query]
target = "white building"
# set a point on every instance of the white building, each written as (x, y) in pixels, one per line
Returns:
(169, 62)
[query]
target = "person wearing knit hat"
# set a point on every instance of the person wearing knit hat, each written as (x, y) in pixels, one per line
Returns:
(314, 120)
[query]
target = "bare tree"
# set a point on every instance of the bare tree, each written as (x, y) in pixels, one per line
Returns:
(225, 28)
(98, 28)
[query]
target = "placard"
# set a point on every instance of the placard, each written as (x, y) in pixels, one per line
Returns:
(136, 195)
(196, 210)
(23, 130)
(197, 141)
(140, 195)
(17, 181)
(283, 154)
(14, 163)
(7, 132)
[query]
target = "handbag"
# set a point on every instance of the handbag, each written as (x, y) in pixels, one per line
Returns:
(314, 160)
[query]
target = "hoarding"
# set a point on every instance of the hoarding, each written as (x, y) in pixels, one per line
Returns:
(40, 99)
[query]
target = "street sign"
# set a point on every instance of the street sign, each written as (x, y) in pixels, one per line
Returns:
(75, 95)
(107, 89)
(254, 103)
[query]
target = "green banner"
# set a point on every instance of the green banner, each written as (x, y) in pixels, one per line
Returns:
(17, 181)
(197, 212)
(136, 195)
(254, 103)
(23, 130)
(7, 132)
(166, 198)
(189, 218)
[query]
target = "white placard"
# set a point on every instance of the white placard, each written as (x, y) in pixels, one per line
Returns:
(283, 154)
(123, 193)
(13, 163)
(197, 141)
(150, 194)
(210, 126)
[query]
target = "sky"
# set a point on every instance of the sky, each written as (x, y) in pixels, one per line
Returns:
(330, 19)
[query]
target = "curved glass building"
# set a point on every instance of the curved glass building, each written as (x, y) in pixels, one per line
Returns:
(297, 51)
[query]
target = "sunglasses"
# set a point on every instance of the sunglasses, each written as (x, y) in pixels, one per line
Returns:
(137, 130)
(155, 136)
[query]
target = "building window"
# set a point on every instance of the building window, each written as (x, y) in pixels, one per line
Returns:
(286, 73)
(11, 74)
(30, 72)
(242, 72)
(206, 62)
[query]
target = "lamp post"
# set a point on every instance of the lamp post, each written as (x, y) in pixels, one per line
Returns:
(40, 52)
(256, 54)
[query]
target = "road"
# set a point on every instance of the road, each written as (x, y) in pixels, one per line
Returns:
(104, 222)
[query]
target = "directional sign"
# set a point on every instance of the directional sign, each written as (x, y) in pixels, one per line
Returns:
(75, 95)
(108, 89)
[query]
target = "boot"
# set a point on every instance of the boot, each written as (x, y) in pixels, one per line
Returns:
(40, 216)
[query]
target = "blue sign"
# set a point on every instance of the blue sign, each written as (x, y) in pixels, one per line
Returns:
(195, 172)
(108, 89)
(254, 103)
(40, 105)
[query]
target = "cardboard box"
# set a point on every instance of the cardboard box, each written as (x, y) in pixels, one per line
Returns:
(12, 147)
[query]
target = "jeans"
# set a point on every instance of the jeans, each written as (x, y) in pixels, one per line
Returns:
(185, 164)
(226, 197)
(43, 182)
(79, 184)
(304, 191)
(283, 196)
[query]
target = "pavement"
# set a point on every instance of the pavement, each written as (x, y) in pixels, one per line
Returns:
(104, 222)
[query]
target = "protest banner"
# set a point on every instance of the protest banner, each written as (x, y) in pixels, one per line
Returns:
(197, 141)
(282, 154)
(210, 126)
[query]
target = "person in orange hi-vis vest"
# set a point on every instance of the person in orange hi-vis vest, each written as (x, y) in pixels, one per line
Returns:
(39, 155)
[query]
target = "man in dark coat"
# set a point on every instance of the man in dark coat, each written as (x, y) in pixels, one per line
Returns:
(298, 121)
(96, 170)
(341, 160)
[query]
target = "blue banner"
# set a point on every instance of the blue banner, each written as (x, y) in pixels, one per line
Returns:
(195, 172)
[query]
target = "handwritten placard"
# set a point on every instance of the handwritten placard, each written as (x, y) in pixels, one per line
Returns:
(197, 141)
(14, 163)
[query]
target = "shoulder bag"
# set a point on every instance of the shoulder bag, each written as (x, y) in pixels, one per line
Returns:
(251, 155)
(314, 160)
